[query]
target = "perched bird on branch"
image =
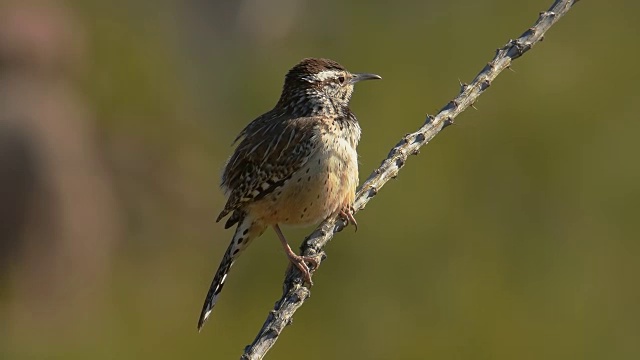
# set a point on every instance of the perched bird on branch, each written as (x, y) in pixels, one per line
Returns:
(296, 164)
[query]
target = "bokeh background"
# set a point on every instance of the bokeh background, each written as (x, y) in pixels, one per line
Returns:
(514, 235)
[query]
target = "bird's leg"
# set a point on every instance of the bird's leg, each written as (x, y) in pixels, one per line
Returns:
(347, 215)
(298, 261)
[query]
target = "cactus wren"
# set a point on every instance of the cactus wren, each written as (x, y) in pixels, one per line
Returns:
(296, 164)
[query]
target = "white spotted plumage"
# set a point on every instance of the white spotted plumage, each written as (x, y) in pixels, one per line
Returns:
(296, 164)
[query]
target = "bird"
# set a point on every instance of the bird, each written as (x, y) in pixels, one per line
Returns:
(294, 165)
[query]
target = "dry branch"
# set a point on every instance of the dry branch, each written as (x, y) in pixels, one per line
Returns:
(294, 291)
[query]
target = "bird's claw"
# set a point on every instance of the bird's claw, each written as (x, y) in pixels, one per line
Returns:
(347, 215)
(300, 262)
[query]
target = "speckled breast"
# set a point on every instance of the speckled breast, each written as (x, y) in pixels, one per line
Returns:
(321, 188)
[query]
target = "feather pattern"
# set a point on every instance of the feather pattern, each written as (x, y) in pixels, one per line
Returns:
(295, 164)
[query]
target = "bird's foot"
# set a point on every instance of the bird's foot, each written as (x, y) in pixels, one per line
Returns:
(300, 262)
(347, 215)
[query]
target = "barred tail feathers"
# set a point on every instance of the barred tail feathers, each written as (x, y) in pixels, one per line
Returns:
(246, 231)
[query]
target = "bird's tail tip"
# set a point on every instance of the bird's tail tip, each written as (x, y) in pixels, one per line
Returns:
(203, 317)
(241, 238)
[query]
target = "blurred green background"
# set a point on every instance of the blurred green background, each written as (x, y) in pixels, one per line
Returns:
(514, 235)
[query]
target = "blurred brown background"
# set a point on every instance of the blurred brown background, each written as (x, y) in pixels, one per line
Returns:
(514, 235)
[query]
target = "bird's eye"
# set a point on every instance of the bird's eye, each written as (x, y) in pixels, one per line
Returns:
(341, 79)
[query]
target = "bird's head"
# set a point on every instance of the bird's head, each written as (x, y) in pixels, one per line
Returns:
(316, 86)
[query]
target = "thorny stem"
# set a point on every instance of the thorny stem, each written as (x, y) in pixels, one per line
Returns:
(294, 292)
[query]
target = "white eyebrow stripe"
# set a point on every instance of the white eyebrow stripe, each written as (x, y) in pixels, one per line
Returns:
(326, 74)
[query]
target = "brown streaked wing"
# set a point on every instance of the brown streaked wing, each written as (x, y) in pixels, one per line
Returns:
(270, 152)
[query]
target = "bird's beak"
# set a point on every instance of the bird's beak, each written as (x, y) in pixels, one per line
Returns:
(359, 77)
